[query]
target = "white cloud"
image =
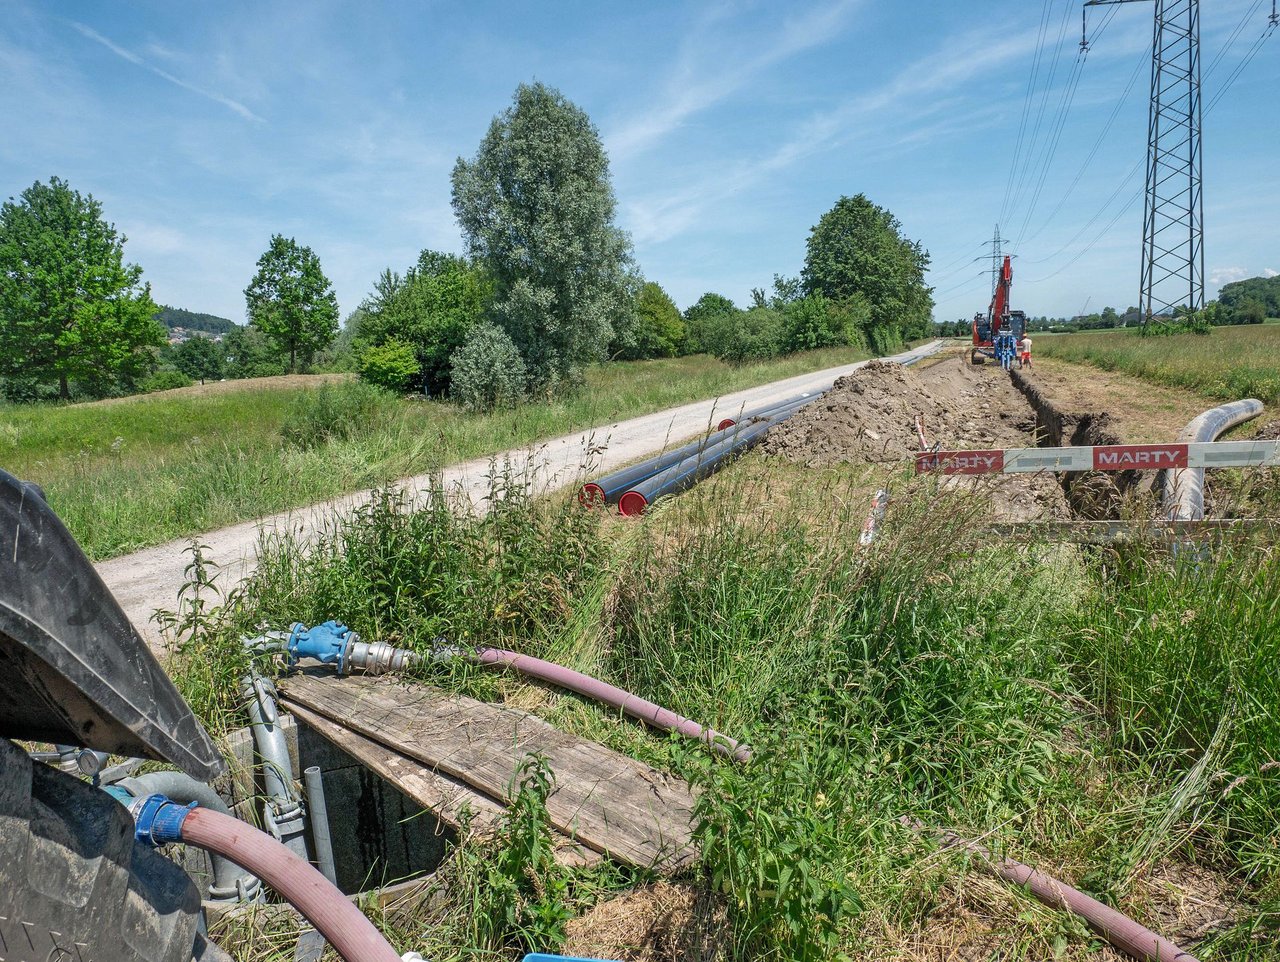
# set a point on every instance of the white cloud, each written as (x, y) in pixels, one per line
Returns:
(133, 58)
(907, 100)
(1225, 275)
(1268, 272)
(691, 91)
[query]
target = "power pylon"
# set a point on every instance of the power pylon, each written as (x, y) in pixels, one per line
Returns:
(1173, 212)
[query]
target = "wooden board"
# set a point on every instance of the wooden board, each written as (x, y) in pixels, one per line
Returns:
(444, 797)
(607, 801)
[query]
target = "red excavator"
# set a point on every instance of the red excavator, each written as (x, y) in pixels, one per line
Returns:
(999, 320)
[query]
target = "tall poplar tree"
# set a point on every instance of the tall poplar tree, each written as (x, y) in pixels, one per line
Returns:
(536, 207)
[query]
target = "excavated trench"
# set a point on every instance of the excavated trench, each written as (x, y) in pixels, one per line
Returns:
(870, 416)
(1092, 495)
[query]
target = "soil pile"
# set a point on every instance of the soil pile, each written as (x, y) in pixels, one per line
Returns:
(870, 415)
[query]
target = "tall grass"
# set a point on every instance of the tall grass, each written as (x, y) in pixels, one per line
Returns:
(1227, 363)
(1110, 718)
(133, 473)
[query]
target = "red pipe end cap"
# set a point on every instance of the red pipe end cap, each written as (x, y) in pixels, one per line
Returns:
(633, 503)
(591, 494)
(726, 423)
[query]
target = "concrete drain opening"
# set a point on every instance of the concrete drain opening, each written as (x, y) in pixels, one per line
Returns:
(380, 836)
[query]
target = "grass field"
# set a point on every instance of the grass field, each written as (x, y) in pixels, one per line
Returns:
(1227, 363)
(1121, 732)
(128, 474)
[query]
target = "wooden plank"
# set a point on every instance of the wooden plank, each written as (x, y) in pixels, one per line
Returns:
(444, 797)
(607, 801)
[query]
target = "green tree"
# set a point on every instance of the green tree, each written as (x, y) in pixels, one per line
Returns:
(200, 358)
(699, 316)
(71, 309)
(291, 301)
(859, 248)
(658, 330)
(249, 354)
(392, 365)
(431, 309)
(536, 207)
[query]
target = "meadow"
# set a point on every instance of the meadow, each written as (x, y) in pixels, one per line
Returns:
(1108, 716)
(1227, 363)
(127, 474)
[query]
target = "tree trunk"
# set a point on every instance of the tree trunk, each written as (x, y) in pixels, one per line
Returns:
(64, 389)
(293, 358)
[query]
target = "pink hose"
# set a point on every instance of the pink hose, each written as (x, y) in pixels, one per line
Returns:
(1121, 931)
(633, 705)
(301, 884)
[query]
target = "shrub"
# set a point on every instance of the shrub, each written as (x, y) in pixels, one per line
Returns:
(488, 371)
(744, 336)
(164, 380)
(813, 322)
(393, 366)
(700, 317)
(334, 412)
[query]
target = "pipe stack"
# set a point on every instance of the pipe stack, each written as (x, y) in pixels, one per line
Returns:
(634, 488)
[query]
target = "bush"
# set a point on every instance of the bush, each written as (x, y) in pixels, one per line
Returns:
(164, 380)
(393, 366)
(335, 412)
(744, 336)
(488, 371)
(814, 322)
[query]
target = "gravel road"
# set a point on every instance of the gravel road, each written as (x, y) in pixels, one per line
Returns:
(150, 579)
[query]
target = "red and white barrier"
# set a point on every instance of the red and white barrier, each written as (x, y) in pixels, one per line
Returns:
(1108, 457)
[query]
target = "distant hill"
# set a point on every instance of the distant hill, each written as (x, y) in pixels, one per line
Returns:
(1264, 290)
(172, 317)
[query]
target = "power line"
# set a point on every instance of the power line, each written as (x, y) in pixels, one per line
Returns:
(1026, 107)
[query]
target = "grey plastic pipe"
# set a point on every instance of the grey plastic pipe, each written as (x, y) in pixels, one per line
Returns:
(1184, 487)
(302, 886)
(610, 487)
(284, 812)
(231, 883)
(693, 469)
(318, 816)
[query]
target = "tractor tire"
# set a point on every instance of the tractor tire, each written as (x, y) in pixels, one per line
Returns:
(74, 885)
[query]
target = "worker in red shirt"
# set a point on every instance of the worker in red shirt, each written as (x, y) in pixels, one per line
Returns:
(1024, 351)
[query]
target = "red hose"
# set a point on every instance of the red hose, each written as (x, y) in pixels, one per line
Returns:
(633, 705)
(301, 884)
(1121, 931)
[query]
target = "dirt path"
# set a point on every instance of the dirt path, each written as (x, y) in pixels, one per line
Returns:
(150, 579)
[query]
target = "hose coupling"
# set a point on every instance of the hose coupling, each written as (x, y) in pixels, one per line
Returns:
(157, 819)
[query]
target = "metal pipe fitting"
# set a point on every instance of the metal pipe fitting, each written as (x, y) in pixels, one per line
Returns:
(282, 813)
(318, 814)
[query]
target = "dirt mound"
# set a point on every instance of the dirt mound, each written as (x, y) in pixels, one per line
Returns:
(870, 415)
(661, 922)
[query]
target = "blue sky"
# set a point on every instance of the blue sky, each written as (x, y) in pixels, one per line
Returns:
(731, 127)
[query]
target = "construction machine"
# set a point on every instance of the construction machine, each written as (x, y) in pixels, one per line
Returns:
(996, 334)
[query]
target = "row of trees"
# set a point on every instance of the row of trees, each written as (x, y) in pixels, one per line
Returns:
(74, 313)
(548, 286)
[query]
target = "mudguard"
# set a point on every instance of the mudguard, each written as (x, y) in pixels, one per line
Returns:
(73, 670)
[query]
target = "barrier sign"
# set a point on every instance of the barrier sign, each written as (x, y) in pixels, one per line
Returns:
(1103, 457)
